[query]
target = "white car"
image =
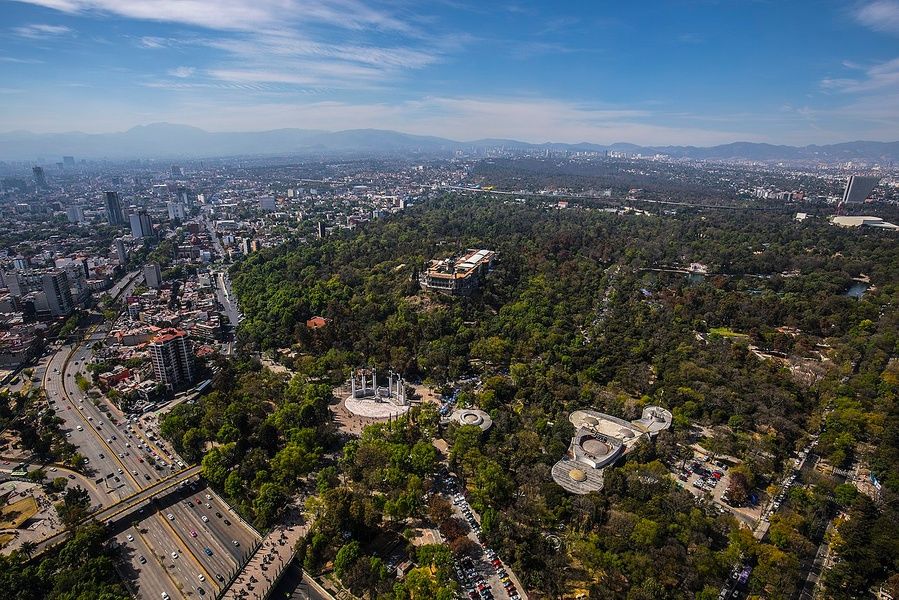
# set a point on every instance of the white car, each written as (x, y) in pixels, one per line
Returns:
(205, 519)
(171, 517)
(80, 428)
(201, 578)
(174, 554)
(130, 538)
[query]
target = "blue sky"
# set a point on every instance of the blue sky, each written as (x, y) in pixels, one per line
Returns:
(650, 72)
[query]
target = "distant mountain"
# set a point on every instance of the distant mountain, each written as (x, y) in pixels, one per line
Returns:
(168, 141)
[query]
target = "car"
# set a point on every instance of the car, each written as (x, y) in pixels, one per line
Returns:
(171, 517)
(235, 542)
(190, 504)
(193, 533)
(201, 577)
(165, 596)
(218, 514)
(141, 559)
(227, 522)
(80, 428)
(130, 538)
(134, 472)
(201, 591)
(217, 576)
(174, 554)
(208, 497)
(208, 552)
(147, 477)
(205, 519)
(102, 456)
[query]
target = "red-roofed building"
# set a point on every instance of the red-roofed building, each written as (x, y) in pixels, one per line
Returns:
(316, 322)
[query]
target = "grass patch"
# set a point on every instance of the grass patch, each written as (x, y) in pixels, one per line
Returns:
(727, 332)
(6, 538)
(13, 515)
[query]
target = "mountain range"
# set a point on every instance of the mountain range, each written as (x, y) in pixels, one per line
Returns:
(170, 141)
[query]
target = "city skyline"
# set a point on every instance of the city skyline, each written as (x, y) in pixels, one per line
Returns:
(688, 72)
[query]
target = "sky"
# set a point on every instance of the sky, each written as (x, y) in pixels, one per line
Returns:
(653, 72)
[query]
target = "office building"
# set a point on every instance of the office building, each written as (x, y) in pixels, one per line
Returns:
(177, 171)
(172, 355)
(141, 225)
(184, 197)
(176, 210)
(153, 276)
(68, 161)
(114, 215)
(858, 188)
(39, 179)
(75, 214)
(321, 230)
(266, 202)
(55, 285)
(121, 253)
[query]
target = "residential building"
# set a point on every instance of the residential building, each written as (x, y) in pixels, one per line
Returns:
(153, 276)
(141, 225)
(172, 355)
(114, 215)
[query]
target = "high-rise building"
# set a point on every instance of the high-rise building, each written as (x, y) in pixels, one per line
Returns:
(121, 254)
(141, 225)
(858, 188)
(153, 275)
(266, 202)
(176, 210)
(55, 285)
(114, 214)
(68, 161)
(39, 179)
(184, 197)
(177, 171)
(75, 214)
(321, 230)
(172, 355)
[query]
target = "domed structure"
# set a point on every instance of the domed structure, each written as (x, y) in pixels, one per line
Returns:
(577, 475)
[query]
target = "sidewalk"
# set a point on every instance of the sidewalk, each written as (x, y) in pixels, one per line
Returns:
(268, 562)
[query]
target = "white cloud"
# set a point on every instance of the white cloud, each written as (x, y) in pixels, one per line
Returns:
(876, 78)
(182, 72)
(239, 15)
(880, 15)
(41, 30)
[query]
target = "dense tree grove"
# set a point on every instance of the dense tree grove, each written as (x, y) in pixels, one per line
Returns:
(583, 308)
(257, 436)
(81, 570)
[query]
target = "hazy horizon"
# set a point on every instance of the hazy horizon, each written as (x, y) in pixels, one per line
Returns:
(674, 73)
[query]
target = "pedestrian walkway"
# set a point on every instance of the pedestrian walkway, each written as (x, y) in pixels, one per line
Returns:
(265, 567)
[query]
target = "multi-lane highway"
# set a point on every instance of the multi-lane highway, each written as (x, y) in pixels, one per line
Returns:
(208, 539)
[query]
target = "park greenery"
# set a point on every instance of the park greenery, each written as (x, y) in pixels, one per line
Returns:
(83, 569)
(584, 307)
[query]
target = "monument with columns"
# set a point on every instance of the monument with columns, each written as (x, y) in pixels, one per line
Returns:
(368, 399)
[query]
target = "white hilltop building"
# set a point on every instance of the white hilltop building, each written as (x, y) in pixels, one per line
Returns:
(368, 399)
(600, 440)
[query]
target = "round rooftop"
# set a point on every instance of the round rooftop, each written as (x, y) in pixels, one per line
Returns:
(472, 416)
(596, 447)
(577, 475)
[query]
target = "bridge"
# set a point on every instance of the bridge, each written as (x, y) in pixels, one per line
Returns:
(125, 505)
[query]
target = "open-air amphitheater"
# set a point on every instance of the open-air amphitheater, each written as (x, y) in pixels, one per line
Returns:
(600, 440)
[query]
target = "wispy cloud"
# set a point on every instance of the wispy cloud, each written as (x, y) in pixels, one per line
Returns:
(880, 15)
(41, 30)
(20, 61)
(876, 78)
(182, 72)
(239, 15)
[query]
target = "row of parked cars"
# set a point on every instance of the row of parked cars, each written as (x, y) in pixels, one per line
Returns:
(478, 588)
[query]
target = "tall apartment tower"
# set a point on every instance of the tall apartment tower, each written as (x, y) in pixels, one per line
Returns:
(121, 253)
(153, 276)
(114, 214)
(141, 225)
(858, 188)
(39, 179)
(59, 297)
(172, 355)
(321, 230)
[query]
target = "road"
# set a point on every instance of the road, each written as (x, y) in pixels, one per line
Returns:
(123, 458)
(226, 297)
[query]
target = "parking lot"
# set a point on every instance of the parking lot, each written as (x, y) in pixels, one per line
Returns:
(483, 577)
